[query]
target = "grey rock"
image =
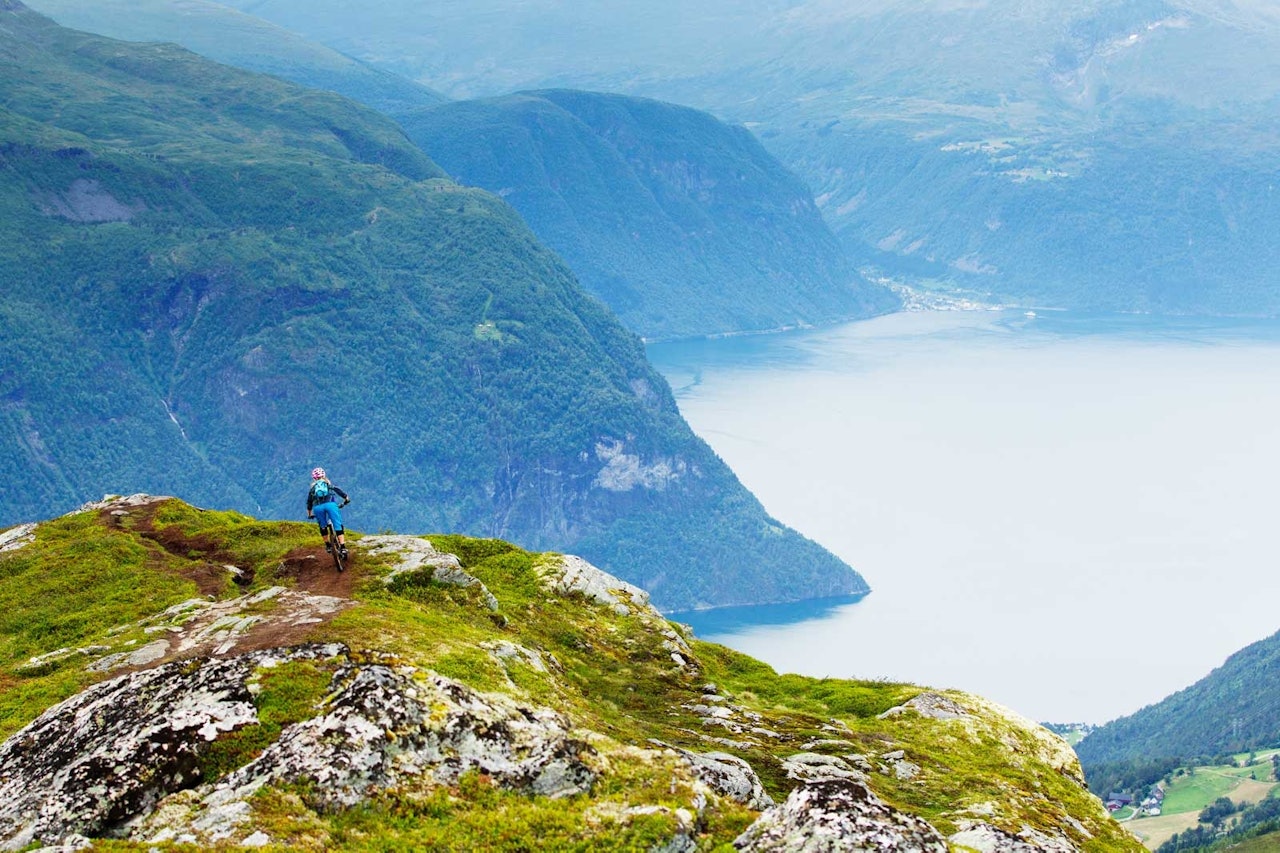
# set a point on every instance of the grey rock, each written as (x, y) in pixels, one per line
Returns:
(828, 743)
(574, 574)
(986, 838)
(386, 728)
(815, 767)
(105, 757)
(932, 705)
(727, 775)
(17, 537)
(416, 554)
(838, 815)
(119, 502)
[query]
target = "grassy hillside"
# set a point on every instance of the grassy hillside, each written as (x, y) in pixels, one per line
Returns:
(215, 280)
(228, 36)
(1235, 708)
(684, 226)
(100, 585)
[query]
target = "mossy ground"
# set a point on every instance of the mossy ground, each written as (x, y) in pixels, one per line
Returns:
(613, 675)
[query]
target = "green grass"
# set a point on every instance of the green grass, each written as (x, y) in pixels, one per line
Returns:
(287, 694)
(611, 674)
(1191, 793)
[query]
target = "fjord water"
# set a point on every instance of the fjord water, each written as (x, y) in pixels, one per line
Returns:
(1072, 515)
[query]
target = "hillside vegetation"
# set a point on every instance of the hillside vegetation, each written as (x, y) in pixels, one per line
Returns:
(683, 225)
(142, 589)
(1235, 708)
(215, 280)
(225, 35)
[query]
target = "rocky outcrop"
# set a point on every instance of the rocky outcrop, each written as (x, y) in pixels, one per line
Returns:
(106, 756)
(838, 815)
(985, 838)
(727, 775)
(934, 706)
(414, 554)
(573, 574)
(101, 762)
(17, 537)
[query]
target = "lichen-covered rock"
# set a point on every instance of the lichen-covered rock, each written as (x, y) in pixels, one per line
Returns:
(727, 775)
(17, 537)
(932, 705)
(838, 815)
(391, 728)
(985, 838)
(815, 767)
(415, 554)
(574, 574)
(105, 756)
(99, 763)
(110, 502)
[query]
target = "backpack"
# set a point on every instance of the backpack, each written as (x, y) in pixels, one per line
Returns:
(320, 491)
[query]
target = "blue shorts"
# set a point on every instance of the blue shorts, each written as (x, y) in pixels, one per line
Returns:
(327, 512)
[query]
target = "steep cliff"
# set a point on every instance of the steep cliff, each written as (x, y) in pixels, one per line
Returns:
(172, 675)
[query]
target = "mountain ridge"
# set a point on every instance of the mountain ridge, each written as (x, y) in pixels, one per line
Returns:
(454, 692)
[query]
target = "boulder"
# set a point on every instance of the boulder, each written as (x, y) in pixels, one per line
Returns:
(102, 762)
(17, 537)
(574, 574)
(104, 757)
(415, 554)
(838, 815)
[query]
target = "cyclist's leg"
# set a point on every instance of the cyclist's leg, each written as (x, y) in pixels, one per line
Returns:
(336, 513)
(324, 516)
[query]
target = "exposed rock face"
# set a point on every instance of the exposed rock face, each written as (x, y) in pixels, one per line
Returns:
(814, 767)
(100, 762)
(107, 755)
(838, 815)
(727, 775)
(120, 502)
(12, 540)
(986, 838)
(932, 705)
(415, 554)
(574, 574)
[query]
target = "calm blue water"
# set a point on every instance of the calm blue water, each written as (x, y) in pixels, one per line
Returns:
(1070, 514)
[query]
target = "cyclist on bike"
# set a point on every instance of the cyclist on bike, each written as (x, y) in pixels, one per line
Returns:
(322, 505)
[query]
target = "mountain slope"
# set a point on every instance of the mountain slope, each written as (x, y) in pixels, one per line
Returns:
(458, 694)
(682, 225)
(1116, 154)
(1235, 708)
(215, 280)
(234, 38)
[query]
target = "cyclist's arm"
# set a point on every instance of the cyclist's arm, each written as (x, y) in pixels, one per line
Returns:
(341, 493)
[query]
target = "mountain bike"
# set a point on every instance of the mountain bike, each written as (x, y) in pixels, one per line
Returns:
(331, 543)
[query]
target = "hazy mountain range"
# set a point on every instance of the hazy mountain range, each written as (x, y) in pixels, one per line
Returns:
(1116, 154)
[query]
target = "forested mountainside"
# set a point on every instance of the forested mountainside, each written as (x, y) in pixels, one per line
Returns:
(1115, 155)
(1235, 708)
(457, 694)
(232, 37)
(215, 280)
(683, 225)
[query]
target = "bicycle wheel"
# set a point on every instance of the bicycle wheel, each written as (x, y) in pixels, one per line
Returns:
(336, 549)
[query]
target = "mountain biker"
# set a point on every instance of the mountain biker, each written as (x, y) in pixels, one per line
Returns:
(323, 507)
